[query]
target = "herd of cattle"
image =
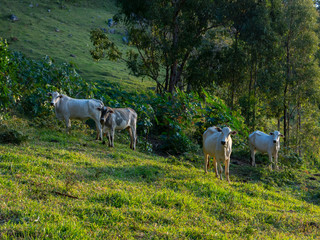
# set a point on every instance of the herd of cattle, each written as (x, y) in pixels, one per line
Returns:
(217, 142)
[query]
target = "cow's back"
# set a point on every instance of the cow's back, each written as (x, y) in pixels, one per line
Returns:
(208, 132)
(210, 142)
(260, 141)
(122, 118)
(83, 108)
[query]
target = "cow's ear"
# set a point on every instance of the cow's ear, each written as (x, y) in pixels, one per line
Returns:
(271, 133)
(234, 132)
(110, 110)
(219, 129)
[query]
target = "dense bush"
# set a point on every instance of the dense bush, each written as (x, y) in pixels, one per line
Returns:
(176, 122)
(8, 135)
(24, 83)
(8, 84)
(37, 78)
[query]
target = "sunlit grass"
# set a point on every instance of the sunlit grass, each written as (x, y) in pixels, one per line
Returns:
(70, 186)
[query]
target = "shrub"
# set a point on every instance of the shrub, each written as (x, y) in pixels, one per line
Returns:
(8, 135)
(37, 78)
(291, 159)
(8, 83)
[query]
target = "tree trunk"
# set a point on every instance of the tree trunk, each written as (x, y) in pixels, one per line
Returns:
(249, 95)
(299, 129)
(173, 77)
(285, 105)
(167, 79)
(285, 114)
(174, 66)
(288, 124)
(254, 96)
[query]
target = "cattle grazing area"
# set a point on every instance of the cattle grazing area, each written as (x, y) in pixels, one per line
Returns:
(59, 186)
(158, 119)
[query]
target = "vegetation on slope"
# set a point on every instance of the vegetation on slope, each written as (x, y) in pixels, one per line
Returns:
(70, 186)
(61, 31)
(55, 185)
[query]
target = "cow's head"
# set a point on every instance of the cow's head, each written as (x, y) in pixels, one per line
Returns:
(276, 136)
(226, 134)
(105, 111)
(55, 97)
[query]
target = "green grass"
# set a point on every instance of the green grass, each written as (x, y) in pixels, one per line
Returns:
(35, 35)
(59, 186)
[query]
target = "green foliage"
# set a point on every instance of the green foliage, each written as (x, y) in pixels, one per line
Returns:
(8, 83)
(164, 35)
(25, 86)
(102, 42)
(291, 160)
(8, 135)
(175, 121)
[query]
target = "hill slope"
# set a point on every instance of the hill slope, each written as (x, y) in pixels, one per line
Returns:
(72, 187)
(62, 31)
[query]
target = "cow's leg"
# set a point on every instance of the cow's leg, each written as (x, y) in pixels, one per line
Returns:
(206, 162)
(131, 137)
(109, 137)
(253, 153)
(134, 136)
(98, 135)
(215, 165)
(227, 164)
(219, 169)
(270, 160)
(68, 125)
(99, 131)
(112, 136)
(276, 167)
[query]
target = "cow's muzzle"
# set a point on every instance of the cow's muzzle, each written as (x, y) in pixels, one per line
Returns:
(102, 121)
(223, 142)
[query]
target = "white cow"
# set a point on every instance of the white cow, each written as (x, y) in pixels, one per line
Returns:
(217, 143)
(264, 143)
(67, 108)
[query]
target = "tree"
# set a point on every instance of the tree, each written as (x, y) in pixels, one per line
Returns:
(301, 69)
(165, 33)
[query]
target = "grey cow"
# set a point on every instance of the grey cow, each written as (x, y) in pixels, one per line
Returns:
(117, 119)
(67, 108)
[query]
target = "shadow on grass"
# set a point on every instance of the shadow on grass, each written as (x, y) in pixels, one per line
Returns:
(140, 173)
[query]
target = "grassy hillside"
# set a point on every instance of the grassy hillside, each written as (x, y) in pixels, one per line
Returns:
(61, 31)
(59, 186)
(56, 186)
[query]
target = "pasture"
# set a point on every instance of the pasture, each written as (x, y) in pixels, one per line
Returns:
(55, 185)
